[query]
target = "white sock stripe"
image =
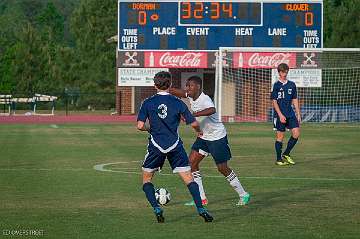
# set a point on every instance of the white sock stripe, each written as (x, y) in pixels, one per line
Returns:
(196, 174)
(231, 176)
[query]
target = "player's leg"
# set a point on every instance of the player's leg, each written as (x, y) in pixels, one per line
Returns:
(153, 160)
(195, 159)
(295, 133)
(221, 153)
(280, 130)
(234, 182)
(199, 150)
(195, 193)
(179, 162)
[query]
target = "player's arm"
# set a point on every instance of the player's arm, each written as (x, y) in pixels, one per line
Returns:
(142, 126)
(278, 111)
(208, 107)
(178, 92)
(295, 102)
(142, 117)
(274, 95)
(196, 126)
(205, 112)
(190, 119)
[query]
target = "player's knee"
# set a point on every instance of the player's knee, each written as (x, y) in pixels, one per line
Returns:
(296, 134)
(279, 138)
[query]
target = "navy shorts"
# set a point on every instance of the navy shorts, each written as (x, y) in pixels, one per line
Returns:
(154, 159)
(219, 149)
(291, 123)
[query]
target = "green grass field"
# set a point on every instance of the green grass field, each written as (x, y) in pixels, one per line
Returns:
(48, 183)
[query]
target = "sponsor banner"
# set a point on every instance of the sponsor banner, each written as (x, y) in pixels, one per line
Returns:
(308, 60)
(301, 77)
(212, 56)
(130, 59)
(176, 59)
(137, 76)
(263, 59)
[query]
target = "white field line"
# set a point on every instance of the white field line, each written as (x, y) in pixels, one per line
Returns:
(101, 167)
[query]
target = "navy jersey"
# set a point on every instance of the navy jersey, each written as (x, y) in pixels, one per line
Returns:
(284, 94)
(164, 112)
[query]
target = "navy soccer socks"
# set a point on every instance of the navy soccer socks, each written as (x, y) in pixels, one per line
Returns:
(194, 190)
(291, 143)
(149, 190)
(278, 149)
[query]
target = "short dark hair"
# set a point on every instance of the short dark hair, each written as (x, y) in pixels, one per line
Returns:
(195, 79)
(283, 67)
(162, 80)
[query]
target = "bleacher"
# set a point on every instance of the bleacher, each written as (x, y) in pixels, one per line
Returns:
(5, 100)
(10, 104)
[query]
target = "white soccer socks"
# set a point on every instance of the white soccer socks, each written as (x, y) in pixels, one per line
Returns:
(198, 180)
(235, 183)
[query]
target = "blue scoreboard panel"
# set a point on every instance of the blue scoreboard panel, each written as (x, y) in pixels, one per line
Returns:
(208, 25)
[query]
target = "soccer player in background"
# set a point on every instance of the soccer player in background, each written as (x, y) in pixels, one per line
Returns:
(284, 95)
(213, 141)
(164, 111)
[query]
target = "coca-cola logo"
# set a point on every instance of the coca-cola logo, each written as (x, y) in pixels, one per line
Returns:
(257, 60)
(189, 59)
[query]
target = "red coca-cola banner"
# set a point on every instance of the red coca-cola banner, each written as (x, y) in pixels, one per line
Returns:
(176, 59)
(263, 59)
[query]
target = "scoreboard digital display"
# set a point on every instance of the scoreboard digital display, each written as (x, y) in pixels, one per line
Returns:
(208, 25)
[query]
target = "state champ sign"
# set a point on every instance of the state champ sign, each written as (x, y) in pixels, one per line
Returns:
(137, 76)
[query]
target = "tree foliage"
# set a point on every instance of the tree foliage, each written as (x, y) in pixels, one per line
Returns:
(49, 45)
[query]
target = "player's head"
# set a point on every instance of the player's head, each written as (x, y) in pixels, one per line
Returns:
(283, 70)
(162, 80)
(193, 86)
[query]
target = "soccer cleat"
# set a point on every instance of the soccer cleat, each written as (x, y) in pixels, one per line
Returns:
(244, 200)
(288, 159)
(159, 215)
(204, 202)
(205, 214)
(281, 163)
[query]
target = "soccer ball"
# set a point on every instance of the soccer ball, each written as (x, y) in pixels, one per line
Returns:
(162, 196)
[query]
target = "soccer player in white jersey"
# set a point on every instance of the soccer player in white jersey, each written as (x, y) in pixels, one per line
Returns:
(213, 141)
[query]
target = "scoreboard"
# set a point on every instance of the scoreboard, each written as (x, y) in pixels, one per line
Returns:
(207, 25)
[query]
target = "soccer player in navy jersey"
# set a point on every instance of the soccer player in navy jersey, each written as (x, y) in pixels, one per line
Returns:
(284, 96)
(164, 111)
(213, 141)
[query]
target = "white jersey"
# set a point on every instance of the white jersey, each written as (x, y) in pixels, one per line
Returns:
(211, 125)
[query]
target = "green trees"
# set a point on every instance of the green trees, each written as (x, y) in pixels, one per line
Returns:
(341, 23)
(92, 23)
(49, 45)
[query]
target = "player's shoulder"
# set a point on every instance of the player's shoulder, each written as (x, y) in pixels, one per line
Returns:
(175, 99)
(149, 100)
(291, 83)
(204, 97)
(277, 84)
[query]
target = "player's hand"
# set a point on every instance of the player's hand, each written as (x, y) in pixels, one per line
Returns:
(199, 134)
(282, 119)
(298, 116)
